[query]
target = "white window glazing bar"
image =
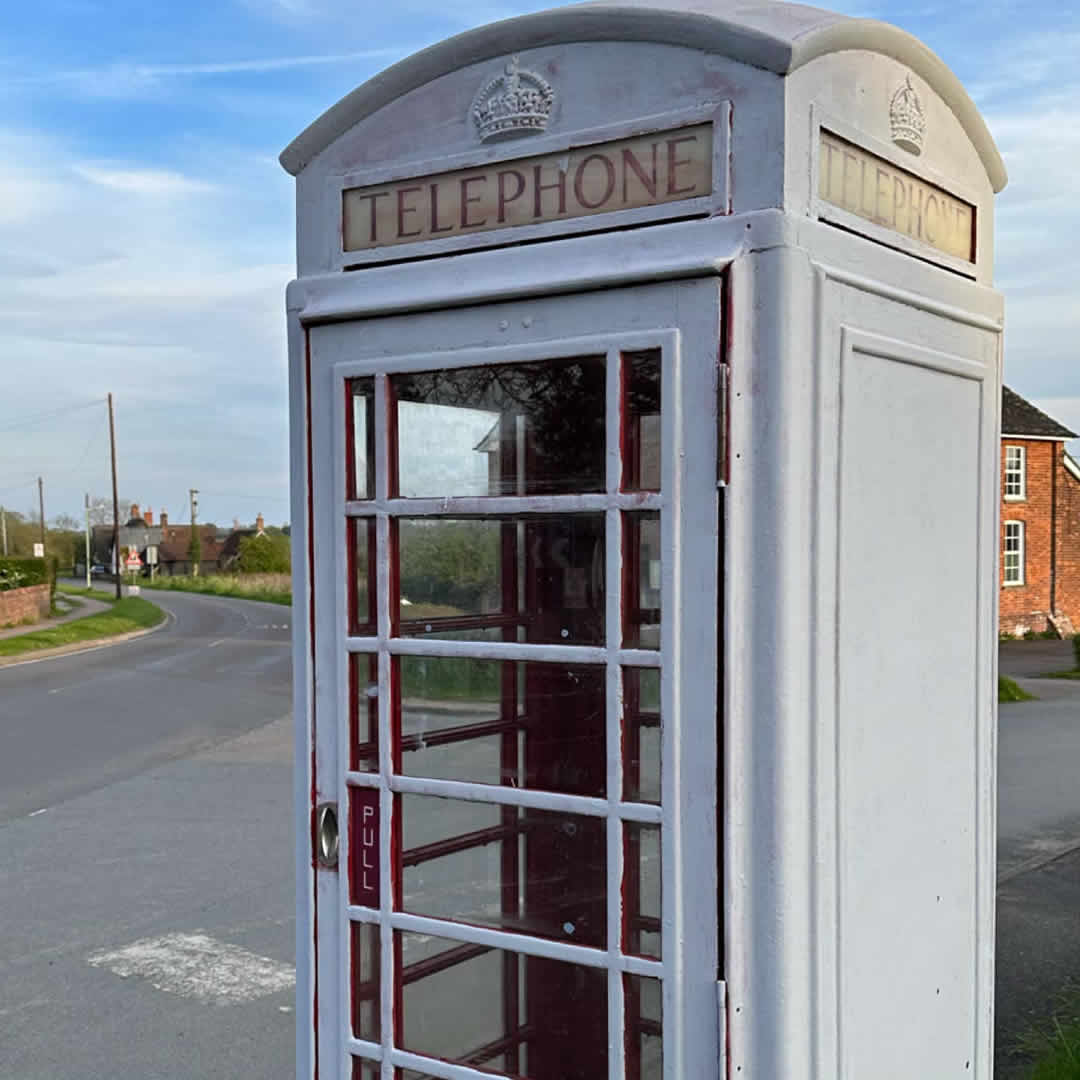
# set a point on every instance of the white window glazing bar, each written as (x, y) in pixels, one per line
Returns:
(381, 554)
(531, 799)
(503, 650)
(361, 1048)
(495, 505)
(562, 349)
(445, 1070)
(519, 943)
(613, 620)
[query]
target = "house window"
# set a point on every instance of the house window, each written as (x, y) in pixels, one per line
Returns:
(1015, 472)
(1014, 553)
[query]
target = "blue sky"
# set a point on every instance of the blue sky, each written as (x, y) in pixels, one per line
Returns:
(146, 228)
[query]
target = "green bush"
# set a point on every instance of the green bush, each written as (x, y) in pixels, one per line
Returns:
(20, 573)
(1076, 649)
(266, 554)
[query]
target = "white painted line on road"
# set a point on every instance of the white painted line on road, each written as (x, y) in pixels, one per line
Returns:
(215, 644)
(36, 812)
(197, 966)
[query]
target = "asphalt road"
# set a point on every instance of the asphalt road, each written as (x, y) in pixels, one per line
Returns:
(74, 724)
(146, 842)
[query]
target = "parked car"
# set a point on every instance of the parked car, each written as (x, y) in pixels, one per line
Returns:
(97, 570)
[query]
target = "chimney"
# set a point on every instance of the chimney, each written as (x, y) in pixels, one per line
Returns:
(148, 517)
(134, 510)
(164, 520)
(259, 524)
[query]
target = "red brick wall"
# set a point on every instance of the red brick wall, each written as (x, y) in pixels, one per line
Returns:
(1027, 605)
(19, 604)
(1068, 551)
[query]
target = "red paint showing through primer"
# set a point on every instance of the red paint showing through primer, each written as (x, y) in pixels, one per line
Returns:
(311, 642)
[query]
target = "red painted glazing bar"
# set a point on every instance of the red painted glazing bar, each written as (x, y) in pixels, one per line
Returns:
(458, 622)
(500, 1046)
(439, 849)
(447, 736)
(432, 965)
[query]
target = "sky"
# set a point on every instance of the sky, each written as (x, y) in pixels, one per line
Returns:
(146, 227)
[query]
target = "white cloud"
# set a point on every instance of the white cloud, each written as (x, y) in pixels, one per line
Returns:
(142, 181)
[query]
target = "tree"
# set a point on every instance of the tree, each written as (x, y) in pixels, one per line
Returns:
(266, 554)
(101, 509)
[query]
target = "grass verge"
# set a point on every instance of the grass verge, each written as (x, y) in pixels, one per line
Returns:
(131, 613)
(1009, 691)
(1055, 1049)
(269, 588)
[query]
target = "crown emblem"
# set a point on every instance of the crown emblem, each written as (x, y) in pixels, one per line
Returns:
(516, 102)
(907, 119)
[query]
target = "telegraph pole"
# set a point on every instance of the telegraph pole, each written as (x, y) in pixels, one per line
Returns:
(41, 509)
(3, 528)
(115, 502)
(193, 495)
(88, 539)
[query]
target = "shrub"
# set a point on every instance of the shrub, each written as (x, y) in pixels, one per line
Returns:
(1076, 649)
(21, 573)
(266, 554)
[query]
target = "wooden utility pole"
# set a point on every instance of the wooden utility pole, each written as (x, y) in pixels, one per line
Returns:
(41, 510)
(115, 501)
(88, 539)
(3, 528)
(195, 544)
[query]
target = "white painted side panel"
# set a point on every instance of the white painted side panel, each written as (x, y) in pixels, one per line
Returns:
(907, 711)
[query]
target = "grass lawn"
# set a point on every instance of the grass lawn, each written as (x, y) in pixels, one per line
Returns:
(1009, 691)
(131, 613)
(270, 588)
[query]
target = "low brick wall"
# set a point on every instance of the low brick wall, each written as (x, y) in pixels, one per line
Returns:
(17, 605)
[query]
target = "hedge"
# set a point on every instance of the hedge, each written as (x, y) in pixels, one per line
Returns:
(20, 573)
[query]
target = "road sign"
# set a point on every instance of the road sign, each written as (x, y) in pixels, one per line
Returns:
(39, 551)
(133, 561)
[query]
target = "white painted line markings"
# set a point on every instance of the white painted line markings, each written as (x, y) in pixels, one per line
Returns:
(197, 966)
(36, 812)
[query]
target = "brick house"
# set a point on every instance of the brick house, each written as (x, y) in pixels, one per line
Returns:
(1040, 522)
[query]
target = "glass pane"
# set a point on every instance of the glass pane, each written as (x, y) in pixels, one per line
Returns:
(365, 1070)
(364, 846)
(533, 1018)
(361, 540)
(528, 871)
(499, 722)
(644, 1028)
(360, 435)
(365, 981)
(641, 421)
(531, 578)
(641, 889)
(364, 712)
(507, 429)
(641, 735)
(641, 580)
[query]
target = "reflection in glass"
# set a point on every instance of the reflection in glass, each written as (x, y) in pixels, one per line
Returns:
(361, 552)
(644, 1028)
(363, 712)
(641, 889)
(365, 981)
(528, 871)
(503, 429)
(641, 735)
(641, 421)
(641, 580)
(530, 725)
(529, 578)
(365, 1070)
(533, 1018)
(360, 436)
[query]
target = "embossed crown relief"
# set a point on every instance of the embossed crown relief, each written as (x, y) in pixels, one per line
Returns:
(517, 102)
(907, 119)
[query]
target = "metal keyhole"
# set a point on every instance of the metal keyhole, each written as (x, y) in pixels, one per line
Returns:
(326, 835)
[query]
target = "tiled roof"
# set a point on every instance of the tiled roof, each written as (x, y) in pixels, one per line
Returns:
(1020, 417)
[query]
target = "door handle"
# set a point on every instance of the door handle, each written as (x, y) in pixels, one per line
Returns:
(326, 835)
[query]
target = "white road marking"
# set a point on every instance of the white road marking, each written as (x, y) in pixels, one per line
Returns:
(197, 966)
(214, 644)
(36, 812)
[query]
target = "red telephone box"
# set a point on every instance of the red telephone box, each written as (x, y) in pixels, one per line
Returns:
(613, 400)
